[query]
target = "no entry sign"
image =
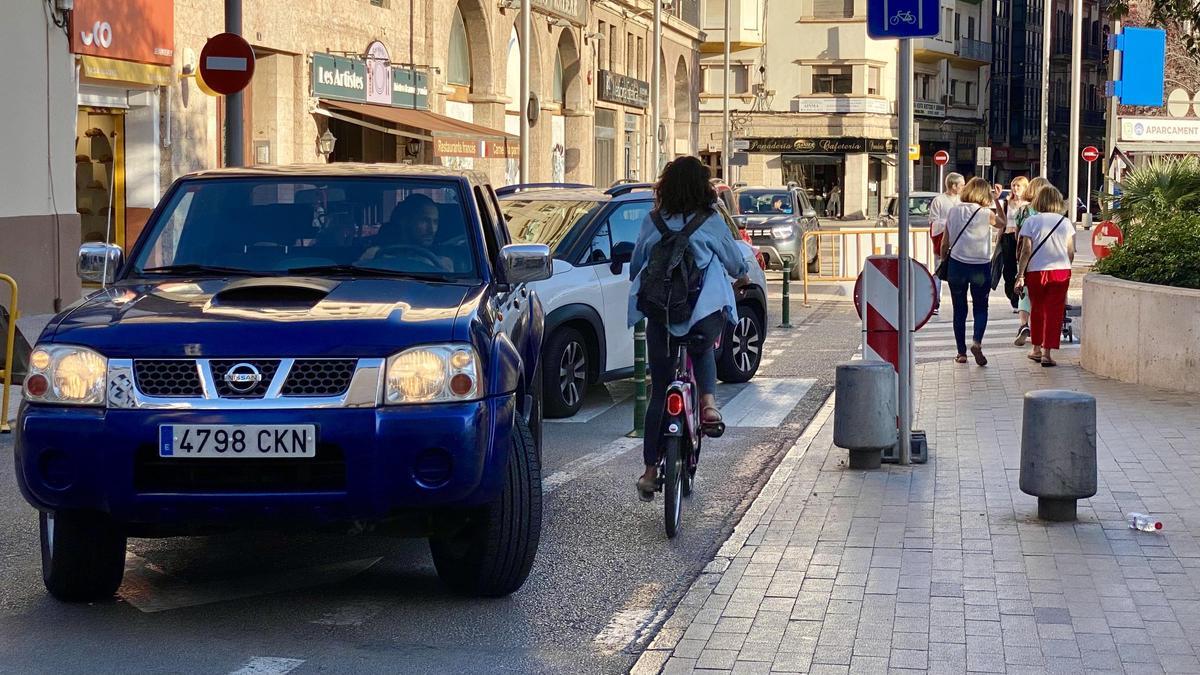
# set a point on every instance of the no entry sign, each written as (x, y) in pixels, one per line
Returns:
(1090, 154)
(227, 63)
(1106, 236)
(941, 158)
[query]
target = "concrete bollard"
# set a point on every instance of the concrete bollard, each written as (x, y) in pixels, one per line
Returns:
(864, 411)
(1058, 450)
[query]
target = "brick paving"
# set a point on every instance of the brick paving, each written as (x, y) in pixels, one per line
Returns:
(944, 567)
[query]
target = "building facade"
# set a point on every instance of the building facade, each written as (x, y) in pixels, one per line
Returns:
(406, 81)
(39, 226)
(815, 98)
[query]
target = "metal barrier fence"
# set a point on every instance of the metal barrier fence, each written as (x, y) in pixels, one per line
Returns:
(10, 341)
(843, 253)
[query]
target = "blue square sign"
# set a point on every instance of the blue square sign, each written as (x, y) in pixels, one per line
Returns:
(902, 18)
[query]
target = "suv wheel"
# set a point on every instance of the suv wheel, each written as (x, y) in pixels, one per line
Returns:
(742, 345)
(564, 373)
(491, 556)
(83, 555)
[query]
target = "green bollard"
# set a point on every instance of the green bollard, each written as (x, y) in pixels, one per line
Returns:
(787, 293)
(639, 380)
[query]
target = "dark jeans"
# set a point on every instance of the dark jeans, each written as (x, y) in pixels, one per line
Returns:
(1008, 254)
(661, 361)
(976, 279)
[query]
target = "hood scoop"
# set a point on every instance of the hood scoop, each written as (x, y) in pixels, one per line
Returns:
(275, 292)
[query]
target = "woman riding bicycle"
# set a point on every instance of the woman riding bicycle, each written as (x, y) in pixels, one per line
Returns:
(683, 193)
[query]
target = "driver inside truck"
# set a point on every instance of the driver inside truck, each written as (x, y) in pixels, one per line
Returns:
(413, 224)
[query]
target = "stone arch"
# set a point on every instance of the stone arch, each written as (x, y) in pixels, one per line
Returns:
(567, 53)
(510, 56)
(479, 41)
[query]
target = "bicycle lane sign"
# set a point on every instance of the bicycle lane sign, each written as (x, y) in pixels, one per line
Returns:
(903, 18)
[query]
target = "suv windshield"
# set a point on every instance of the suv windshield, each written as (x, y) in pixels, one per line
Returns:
(269, 226)
(545, 221)
(764, 201)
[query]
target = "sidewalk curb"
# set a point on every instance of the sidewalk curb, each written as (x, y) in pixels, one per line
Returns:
(654, 658)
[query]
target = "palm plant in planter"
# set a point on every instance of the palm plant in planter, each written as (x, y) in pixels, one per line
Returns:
(1155, 189)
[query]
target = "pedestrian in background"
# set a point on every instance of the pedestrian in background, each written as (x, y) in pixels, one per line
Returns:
(1047, 251)
(835, 202)
(939, 210)
(1024, 306)
(1008, 238)
(968, 245)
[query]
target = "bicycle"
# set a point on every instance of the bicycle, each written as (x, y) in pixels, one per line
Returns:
(682, 431)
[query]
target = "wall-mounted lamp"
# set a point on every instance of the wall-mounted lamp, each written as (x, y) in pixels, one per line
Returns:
(412, 148)
(326, 143)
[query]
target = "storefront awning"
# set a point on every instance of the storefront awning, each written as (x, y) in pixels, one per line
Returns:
(115, 70)
(450, 137)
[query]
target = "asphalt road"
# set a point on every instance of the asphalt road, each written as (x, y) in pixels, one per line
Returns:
(604, 580)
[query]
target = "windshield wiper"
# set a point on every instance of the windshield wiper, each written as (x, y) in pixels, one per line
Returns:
(193, 268)
(362, 270)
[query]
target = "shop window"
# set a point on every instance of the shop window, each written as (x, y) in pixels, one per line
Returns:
(832, 80)
(459, 60)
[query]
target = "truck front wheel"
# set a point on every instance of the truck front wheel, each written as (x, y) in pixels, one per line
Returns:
(491, 555)
(83, 555)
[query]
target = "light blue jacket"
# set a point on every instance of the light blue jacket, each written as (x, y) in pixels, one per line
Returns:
(717, 254)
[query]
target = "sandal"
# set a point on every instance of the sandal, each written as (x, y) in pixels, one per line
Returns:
(961, 358)
(1048, 362)
(713, 418)
(1034, 357)
(977, 352)
(646, 488)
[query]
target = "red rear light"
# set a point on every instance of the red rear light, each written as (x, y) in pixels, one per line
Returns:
(674, 403)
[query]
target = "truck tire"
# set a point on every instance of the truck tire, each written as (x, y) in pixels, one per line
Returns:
(564, 373)
(83, 555)
(491, 556)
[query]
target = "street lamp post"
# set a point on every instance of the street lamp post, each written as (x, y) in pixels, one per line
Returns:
(526, 39)
(1044, 148)
(725, 106)
(655, 88)
(1076, 89)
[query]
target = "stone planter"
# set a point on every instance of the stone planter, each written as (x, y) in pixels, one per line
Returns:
(1141, 333)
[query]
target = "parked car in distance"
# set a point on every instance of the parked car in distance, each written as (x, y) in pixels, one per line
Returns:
(591, 234)
(327, 346)
(918, 211)
(777, 220)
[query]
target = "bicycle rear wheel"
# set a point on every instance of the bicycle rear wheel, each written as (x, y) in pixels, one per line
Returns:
(689, 469)
(673, 485)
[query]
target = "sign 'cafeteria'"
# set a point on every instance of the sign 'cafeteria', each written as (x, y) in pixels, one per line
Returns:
(616, 88)
(345, 79)
(789, 145)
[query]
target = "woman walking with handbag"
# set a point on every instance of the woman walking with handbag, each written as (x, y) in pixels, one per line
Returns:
(1008, 238)
(1047, 252)
(1024, 307)
(967, 263)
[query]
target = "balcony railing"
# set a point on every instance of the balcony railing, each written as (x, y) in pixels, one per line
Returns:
(974, 50)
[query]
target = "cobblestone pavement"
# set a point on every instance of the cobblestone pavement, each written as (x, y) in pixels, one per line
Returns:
(943, 567)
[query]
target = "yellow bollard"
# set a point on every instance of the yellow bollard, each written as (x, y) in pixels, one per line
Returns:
(10, 341)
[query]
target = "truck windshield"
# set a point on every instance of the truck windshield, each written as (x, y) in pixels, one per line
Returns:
(272, 226)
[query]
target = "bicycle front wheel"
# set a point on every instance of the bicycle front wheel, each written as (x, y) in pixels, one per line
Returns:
(673, 485)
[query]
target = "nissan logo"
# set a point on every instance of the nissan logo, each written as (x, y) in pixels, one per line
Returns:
(243, 377)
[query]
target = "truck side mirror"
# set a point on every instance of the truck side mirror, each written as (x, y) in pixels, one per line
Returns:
(98, 262)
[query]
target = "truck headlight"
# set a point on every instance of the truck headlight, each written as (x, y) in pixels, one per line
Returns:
(783, 231)
(432, 374)
(66, 374)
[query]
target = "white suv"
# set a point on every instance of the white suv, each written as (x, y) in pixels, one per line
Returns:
(586, 300)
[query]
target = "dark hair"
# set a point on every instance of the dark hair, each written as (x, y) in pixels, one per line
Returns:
(684, 187)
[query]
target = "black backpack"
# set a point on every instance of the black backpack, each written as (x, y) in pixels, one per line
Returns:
(671, 280)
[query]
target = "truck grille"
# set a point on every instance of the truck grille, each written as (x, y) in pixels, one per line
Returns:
(168, 378)
(320, 377)
(325, 472)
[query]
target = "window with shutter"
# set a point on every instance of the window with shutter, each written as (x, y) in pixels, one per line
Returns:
(833, 9)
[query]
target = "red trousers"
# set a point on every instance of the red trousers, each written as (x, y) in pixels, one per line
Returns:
(1048, 300)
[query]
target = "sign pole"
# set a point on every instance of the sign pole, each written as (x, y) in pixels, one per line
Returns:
(235, 122)
(1044, 141)
(904, 391)
(725, 106)
(1076, 92)
(1087, 199)
(526, 40)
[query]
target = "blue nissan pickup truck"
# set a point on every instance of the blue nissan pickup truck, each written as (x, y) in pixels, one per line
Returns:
(335, 346)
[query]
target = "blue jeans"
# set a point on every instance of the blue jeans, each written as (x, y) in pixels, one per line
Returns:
(661, 361)
(976, 279)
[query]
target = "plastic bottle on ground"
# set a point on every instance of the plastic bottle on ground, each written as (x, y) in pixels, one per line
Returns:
(1143, 522)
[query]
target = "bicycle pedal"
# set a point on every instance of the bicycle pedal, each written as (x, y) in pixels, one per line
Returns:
(713, 430)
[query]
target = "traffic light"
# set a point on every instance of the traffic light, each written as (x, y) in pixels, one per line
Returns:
(1143, 55)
